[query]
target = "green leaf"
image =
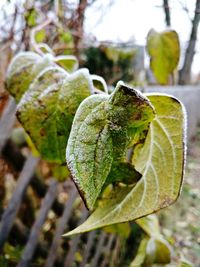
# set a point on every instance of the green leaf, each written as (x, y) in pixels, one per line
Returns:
(69, 63)
(45, 48)
(121, 229)
(123, 172)
(31, 17)
(89, 148)
(99, 126)
(47, 109)
(150, 225)
(40, 36)
(141, 254)
(164, 52)
(60, 172)
(101, 133)
(160, 161)
(99, 83)
(23, 68)
(152, 251)
(158, 251)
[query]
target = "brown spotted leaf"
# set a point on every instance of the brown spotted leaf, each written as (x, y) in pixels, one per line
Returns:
(47, 109)
(160, 161)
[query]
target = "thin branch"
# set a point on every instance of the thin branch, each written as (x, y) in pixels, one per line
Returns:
(33, 32)
(185, 72)
(167, 12)
(185, 8)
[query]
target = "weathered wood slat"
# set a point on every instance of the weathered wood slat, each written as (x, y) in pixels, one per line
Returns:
(114, 257)
(107, 251)
(36, 228)
(7, 121)
(70, 256)
(10, 212)
(99, 249)
(14, 157)
(60, 228)
(88, 246)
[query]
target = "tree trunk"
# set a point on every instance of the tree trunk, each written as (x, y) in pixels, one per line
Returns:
(167, 13)
(185, 72)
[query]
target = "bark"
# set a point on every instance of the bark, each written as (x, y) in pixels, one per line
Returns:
(167, 13)
(185, 72)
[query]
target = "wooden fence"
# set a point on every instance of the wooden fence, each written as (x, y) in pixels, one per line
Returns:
(97, 248)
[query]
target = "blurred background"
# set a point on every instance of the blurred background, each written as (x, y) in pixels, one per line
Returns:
(112, 39)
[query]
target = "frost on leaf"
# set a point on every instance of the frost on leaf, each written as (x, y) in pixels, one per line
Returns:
(100, 137)
(47, 109)
(23, 68)
(160, 161)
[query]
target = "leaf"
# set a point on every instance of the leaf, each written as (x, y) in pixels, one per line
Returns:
(150, 225)
(69, 63)
(164, 52)
(158, 248)
(60, 172)
(89, 148)
(161, 162)
(47, 109)
(23, 68)
(100, 135)
(121, 229)
(99, 83)
(152, 251)
(158, 251)
(31, 17)
(40, 36)
(45, 48)
(123, 172)
(141, 254)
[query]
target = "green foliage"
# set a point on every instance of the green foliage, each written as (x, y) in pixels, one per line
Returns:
(153, 247)
(111, 63)
(101, 134)
(121, 229)
(53, 98)
(10, 255)
(30, 17)
(40, 36)
(69, 63)
(22, 70)
(164, 52)
(125, 150)
(160, 161)
(99, 83)
(98, 63)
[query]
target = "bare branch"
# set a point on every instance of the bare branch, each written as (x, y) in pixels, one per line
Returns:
(185, 72)
(167, 12)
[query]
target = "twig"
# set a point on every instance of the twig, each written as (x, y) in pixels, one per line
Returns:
(33, 43)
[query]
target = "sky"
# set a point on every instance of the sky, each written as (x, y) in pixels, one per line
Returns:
(126, 20)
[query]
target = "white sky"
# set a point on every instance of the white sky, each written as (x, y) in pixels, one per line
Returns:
(128, 19)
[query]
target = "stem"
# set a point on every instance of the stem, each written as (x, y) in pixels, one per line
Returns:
(33, 43)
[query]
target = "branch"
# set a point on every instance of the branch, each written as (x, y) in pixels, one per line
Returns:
(36, 29)
(185, 72)
(167, 12)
